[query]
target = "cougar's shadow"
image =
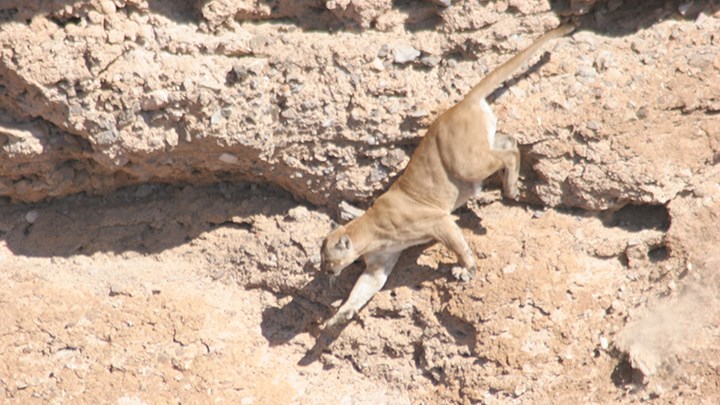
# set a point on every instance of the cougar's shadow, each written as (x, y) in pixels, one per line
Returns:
(310, 306)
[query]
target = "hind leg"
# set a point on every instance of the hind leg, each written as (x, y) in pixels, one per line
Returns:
(506, 151)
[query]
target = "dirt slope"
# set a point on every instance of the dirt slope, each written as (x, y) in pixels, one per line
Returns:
(169, 172)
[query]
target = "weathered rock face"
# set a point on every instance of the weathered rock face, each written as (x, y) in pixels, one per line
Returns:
(328, 101)
(121, 297)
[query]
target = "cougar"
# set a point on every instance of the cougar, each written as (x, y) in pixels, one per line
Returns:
(458, 152)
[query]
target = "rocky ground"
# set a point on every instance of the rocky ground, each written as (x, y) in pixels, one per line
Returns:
(169, 172)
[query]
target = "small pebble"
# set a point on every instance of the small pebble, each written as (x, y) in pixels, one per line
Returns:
(144, 191)
(298, 213)
(430, 60)
(393, 158)
(403, 53)
(228, 158)
(684, 8)
(509, 269)
(216, 117)
(32, 216)
(384, 50)
(378, 65)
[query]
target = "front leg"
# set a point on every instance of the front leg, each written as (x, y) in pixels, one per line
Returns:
(377, 268)
(451, 236)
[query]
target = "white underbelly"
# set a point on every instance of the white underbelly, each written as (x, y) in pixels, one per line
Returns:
(467, 192)
(491, 121)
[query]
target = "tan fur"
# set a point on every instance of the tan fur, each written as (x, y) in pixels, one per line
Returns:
(458, 152)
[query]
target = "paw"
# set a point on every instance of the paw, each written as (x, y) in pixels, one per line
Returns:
(511, 193)
(462, 274)
(340, 318)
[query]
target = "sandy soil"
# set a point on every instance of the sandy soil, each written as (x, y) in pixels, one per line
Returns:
(95, 309)
(164, 294)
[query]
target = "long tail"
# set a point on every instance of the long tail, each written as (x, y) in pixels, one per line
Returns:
(490, 82)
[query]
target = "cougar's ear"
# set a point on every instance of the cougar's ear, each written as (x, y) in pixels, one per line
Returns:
(334, 225)
(344, 243)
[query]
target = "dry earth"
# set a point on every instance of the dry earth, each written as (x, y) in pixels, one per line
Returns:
(168, 172)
